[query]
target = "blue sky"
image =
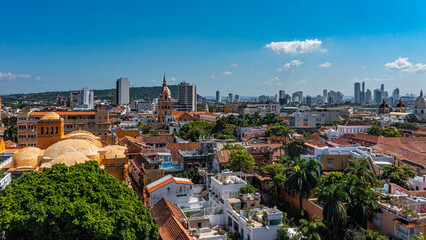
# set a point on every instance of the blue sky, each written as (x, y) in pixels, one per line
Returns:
(218, 45)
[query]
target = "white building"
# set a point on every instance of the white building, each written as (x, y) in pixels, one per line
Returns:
(123, 88)
(187, 97)
(176, 190)
(314, 118)
(86, 99)
(352, 127)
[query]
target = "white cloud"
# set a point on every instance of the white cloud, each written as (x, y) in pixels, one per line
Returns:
(373, 79)
(234, 65)
(404, 65)
(38, 78)
(289, 67)
(227, 73)
(13, 76)
(301, 82)
(153, 81)
(296, 47)
(173, 79)
(325, 65)
(363, 67)
(274, 81)
(212, 77)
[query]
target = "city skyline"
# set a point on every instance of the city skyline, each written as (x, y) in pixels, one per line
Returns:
(213, 44)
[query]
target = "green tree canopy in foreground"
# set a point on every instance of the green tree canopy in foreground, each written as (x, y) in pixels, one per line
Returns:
(240, 160)
(82, 201)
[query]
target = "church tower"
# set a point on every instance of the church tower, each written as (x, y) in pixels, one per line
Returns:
(50, 129)
(164, 102)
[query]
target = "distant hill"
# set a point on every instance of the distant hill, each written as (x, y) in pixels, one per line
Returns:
(103, 94)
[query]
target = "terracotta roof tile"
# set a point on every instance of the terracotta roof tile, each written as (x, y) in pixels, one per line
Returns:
(158, 139)
(172, 223)
(164, 181)
(223, 156)
(175, 147)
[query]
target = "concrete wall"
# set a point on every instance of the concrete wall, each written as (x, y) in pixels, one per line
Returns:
(311, 208)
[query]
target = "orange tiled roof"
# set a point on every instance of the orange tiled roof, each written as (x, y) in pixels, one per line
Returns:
(170, 220)
(223, 155)
(64, 113)
(175, 147)
(158, 139)
(163, 182)
(177, 113)
(411, 149)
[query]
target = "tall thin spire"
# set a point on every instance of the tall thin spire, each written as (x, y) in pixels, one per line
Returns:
(421, 93)
(164, 80)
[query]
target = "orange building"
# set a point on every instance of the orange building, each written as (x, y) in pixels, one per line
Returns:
(164, 103)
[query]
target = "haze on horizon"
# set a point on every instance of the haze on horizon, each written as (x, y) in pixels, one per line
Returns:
(249, 48)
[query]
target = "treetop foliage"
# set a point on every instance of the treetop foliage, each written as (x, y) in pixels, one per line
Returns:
(82, 201)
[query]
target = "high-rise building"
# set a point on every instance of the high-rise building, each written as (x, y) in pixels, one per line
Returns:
(297, 97)
(230, 98)
(382, 91)
(308, 100)
(86, 99)
(73, 98)
(281, 93)
(324, 95)
(368, 96)
(187, 97)
(123, 87)
(218, 97)
(237, 98)
(357, 93)
(395, 96)
(362, 95)
(377, 96)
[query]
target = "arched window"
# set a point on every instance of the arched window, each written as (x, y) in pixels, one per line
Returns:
(42, 130)
(47, 130)
(51, 130)
(56, 130)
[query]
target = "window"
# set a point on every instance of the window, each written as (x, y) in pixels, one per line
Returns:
(330, 163)
(342, 163)
(275, 222)
(229, 221)
(42, 130)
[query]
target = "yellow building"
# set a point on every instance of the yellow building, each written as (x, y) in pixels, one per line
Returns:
(53, 147)
(164, 103)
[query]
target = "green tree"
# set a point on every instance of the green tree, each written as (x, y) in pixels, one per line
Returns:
(240, 160)
(332, 179)
(391, 132)
(191, 174)
(295, 148)
(248, 189)
(303, 178)
(333, 199)
(374, 130)
(11, 132)
(232, 147)
(398, 175)
(311, 230)
(373, 235)
(192, 131)
(416, 237)
(362, 171)
(283, 233)
(82, 201)
(278, 130)
(362, 200)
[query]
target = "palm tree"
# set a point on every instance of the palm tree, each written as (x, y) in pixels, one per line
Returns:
(311, 229)
(11, 132)
(333, 199)
(373, 235)
(361, 170)
(363, 201)
(302, 178)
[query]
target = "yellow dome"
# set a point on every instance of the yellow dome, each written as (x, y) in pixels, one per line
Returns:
(115, 151)
(70, 159)
(51, 116)
(26, 157)
(85, 135)
(72, 146)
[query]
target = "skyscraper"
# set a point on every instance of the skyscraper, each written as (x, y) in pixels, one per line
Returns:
(86, 99)
(362, 96)
(382, 91)
(123, 86)
(368, 96)
(218, 97)
(357, 92)
(187, 97)
(308, 100)
(395, 96)
(281, 93)
(324, 95)
(377, 96)
(237, 98)
(230, 98)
